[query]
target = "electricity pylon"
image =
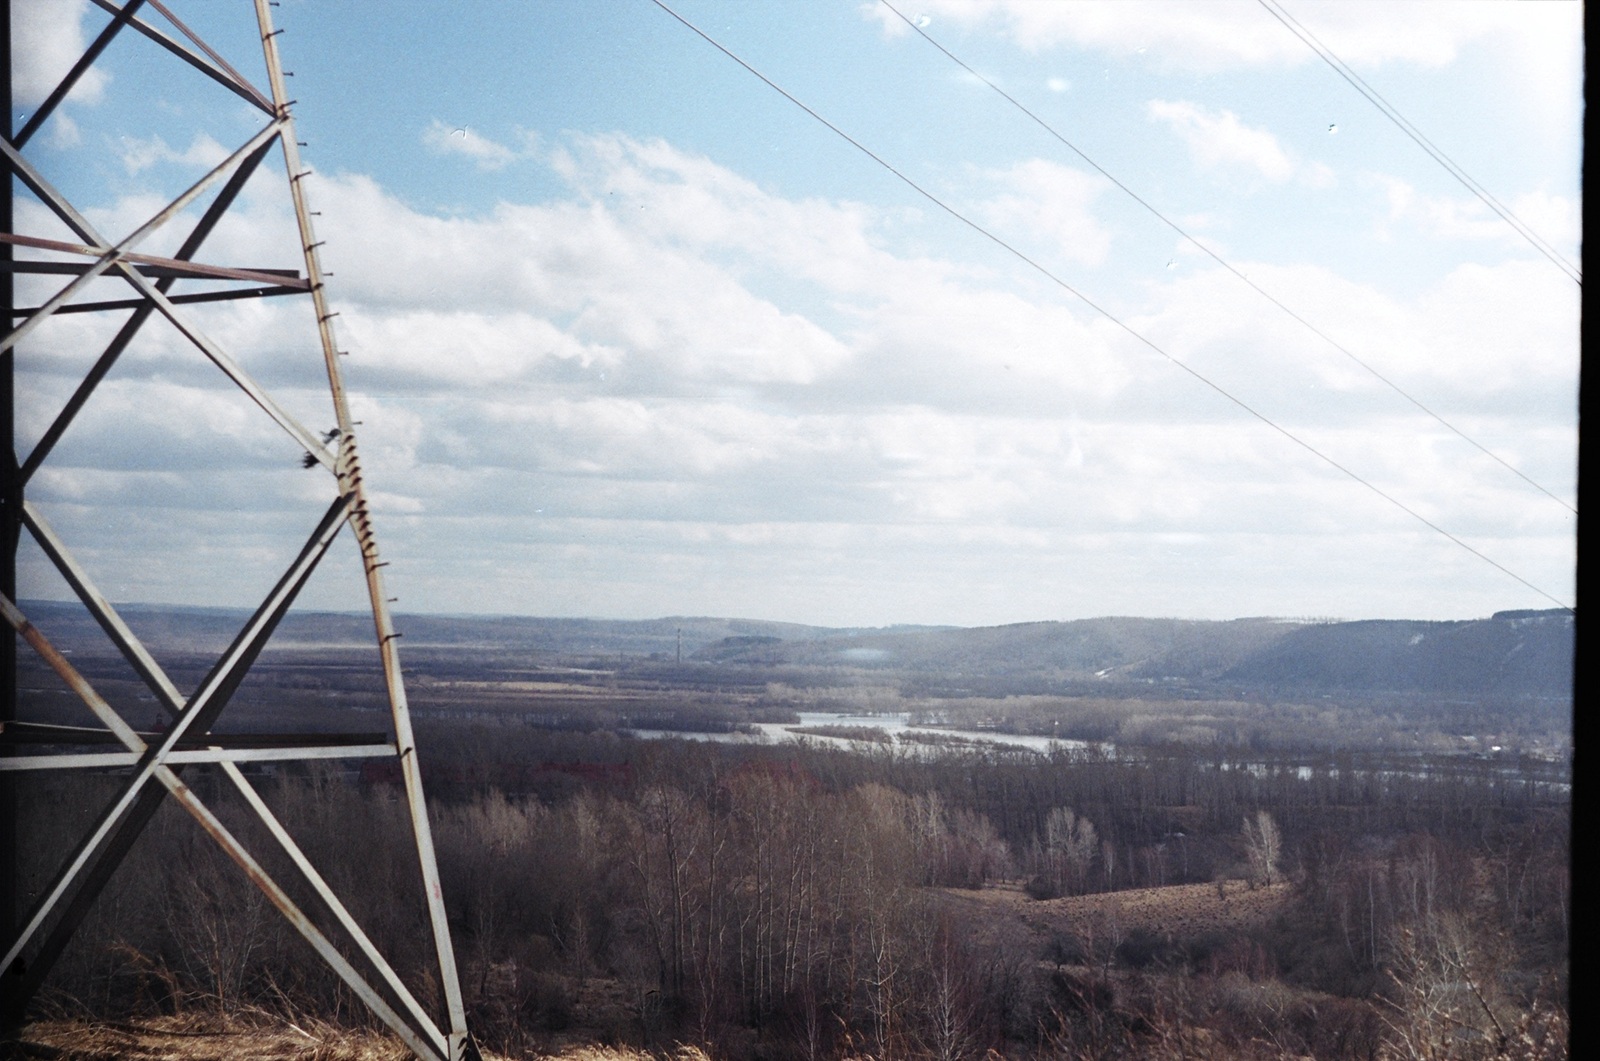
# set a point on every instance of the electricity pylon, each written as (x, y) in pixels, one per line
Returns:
(164, 290)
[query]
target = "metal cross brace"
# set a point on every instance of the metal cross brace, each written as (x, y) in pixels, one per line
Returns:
(155, 764)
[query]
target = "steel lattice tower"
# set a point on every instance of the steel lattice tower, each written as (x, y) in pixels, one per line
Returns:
(163, 287)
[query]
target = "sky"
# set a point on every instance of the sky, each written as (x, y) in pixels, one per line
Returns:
(633, 335)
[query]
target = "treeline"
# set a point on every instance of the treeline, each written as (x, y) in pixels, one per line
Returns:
(789, 902)
(1262, 721)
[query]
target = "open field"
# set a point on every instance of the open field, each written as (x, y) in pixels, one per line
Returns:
(1180, 912)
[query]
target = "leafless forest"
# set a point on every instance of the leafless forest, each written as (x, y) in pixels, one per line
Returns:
(1223, 878)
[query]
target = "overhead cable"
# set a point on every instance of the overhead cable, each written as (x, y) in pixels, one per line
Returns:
(1208, 252)
(1107, 314)
(1376, 99)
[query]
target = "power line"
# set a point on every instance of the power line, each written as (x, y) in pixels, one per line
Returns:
(1107, 314)
(1388, 109)
(1385, 380)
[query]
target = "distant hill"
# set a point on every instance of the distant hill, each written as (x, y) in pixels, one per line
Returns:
(1084, 648)
(172, 627)
(1510, 654)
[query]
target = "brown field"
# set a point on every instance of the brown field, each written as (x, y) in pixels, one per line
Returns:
(1177, 911)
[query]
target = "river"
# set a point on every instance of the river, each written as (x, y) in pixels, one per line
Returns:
(892, 723)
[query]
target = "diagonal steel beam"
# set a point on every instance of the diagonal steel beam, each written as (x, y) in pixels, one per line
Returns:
(337, 908)
(211, 54)
(107, 254)
(90, 868)
(309, 440)
(232, 82)
(434, 1044)
(130, 328)
(110, 256)
(429, 1048)
(167, 693)
(349, 472)
(79, 68)
(99, 606)
(58, 662)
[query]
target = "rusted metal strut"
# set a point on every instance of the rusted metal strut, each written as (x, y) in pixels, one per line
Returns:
(154, 761)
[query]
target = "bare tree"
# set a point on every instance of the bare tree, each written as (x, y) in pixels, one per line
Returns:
(662, 847)
(1444, 1001)
(1070, 842)
(950, 1000)
(1263, 846)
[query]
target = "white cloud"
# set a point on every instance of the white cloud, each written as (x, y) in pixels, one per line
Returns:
(1318, 175)
(635, 274)
(47, 38)
(203, 152)
(1497, 330)
(956, 348)
(1052, 199)
(443, 139)
(1209, 36)
(688, 200)
(1456, 217)
(1219, 139)
(1555, 219)
(466, 347)
(1535, 50)
(1483, 348)
(64, 132)
(671, 371)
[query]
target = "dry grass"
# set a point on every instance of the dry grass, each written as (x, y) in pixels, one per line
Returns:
(1177, 911)
(191, 1038)
(613, 1053)
(1180, 910)
(221, 1038)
